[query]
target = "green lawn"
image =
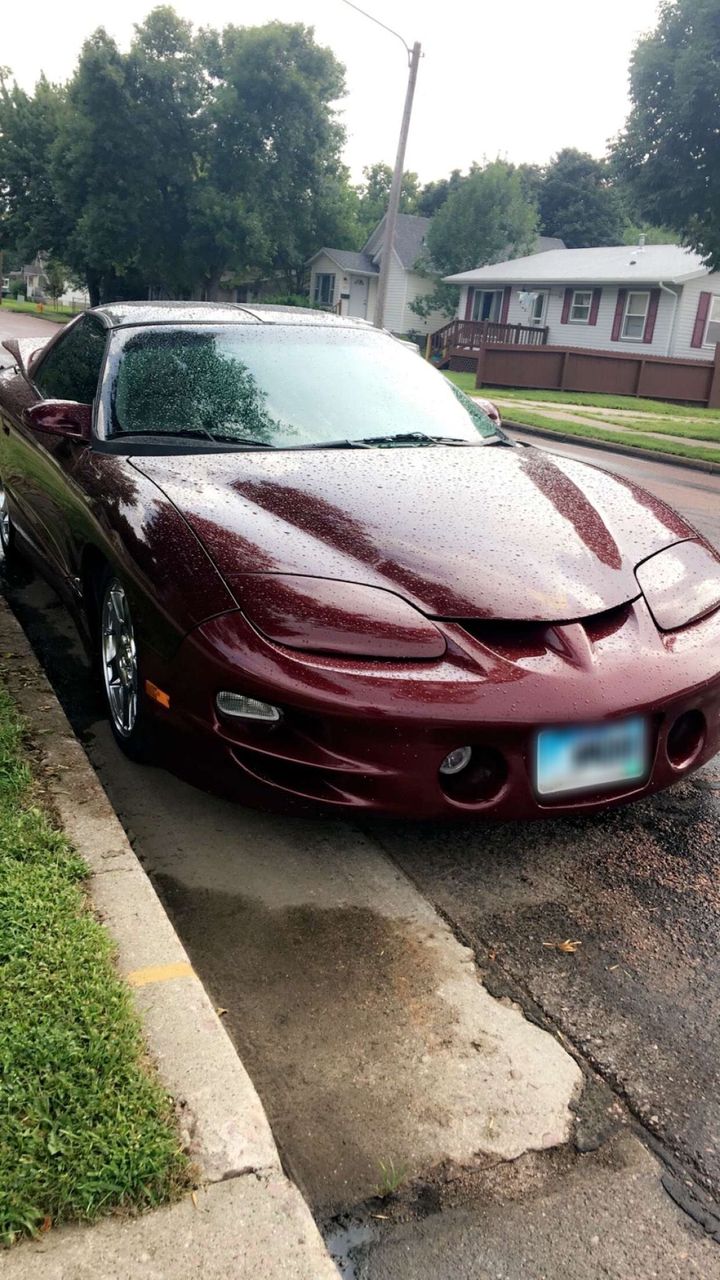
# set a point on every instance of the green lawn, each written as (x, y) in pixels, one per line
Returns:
(689, 427)
(466, 381)
(644, 441)
(59, 315)
(84, 1125)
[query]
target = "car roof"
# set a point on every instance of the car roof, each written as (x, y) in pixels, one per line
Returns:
(116, 315)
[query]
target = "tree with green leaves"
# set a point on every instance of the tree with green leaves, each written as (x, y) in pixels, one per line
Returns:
(274, 145)
(433, 195)
(30, 215)
(56, 276)
(192, 159)
(578, 203)
(669, 151)
(648, 233)
(373, 195)
(487, 218)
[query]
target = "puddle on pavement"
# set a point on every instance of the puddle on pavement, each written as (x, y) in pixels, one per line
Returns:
(344, 1243)
(335, 1014)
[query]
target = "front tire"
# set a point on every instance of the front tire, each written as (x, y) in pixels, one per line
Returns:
(119, 669)
(7, 530)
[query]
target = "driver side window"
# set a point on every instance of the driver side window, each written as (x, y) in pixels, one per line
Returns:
(71, 370)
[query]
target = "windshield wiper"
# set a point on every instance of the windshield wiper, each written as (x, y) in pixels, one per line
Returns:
(192, 435)
(406, 437)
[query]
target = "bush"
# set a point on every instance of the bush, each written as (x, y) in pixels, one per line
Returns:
(286, 300)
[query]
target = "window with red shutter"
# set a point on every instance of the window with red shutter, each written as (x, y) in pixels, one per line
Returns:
(703, 307)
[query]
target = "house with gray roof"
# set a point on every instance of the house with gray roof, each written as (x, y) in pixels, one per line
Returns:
(660, 298)
(346, 281)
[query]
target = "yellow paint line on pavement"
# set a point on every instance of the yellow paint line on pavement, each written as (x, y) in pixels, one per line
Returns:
(160, 973)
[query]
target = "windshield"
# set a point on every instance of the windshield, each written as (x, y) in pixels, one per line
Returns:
(282, 386)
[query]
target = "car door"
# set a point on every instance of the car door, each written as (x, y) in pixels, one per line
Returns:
(39, 469)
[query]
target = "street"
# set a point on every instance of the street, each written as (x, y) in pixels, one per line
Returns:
(18, 324)
(339, 956)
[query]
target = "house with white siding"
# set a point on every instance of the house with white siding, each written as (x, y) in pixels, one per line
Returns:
(659, 298)
(346, 281)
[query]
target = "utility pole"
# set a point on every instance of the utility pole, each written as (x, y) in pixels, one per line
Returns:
(395, 189)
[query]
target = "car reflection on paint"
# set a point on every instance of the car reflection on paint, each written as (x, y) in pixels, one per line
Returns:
(311, 571)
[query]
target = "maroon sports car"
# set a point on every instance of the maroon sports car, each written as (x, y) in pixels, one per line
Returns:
(320, 573)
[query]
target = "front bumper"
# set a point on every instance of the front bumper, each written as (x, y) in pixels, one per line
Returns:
(370, 736)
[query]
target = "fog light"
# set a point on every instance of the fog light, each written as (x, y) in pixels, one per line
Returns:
(686, 739)
(237, 704)
(456, 760)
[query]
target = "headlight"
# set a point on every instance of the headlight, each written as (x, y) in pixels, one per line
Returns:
(680, 584)
(323, 616)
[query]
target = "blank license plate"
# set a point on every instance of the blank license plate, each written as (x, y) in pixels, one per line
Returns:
(601, 755)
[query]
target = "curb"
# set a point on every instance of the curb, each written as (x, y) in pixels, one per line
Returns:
(222, 1121)
(647, 455)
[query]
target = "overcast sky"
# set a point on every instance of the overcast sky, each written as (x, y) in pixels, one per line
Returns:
(515, 78)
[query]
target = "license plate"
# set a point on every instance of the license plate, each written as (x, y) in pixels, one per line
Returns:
(584, 758)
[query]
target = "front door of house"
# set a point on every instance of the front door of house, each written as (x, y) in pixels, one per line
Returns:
(358, 301)
(538, 309)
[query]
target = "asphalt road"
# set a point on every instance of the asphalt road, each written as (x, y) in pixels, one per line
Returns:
(329, 991)
(20, 324)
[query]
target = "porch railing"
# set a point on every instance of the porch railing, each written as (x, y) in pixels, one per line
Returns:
(471, 335)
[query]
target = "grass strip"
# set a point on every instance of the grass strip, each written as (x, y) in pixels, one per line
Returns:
(59, 315)
(523, 417)
(84, 1125)
(679, 427)
(466, 382)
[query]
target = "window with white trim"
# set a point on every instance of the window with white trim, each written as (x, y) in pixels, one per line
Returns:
(324, 295)
(580, 306)
(634, 316)
(487, 304)
(712, 328)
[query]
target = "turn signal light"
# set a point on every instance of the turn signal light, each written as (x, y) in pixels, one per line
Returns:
(157, 695)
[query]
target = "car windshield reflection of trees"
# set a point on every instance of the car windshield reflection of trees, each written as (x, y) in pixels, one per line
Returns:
(310, 390)
(180, 384)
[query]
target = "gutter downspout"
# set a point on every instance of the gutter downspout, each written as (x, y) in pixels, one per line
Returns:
(676, 297)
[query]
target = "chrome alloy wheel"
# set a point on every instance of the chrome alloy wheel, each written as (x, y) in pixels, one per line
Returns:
(119, 659)
(4, 521)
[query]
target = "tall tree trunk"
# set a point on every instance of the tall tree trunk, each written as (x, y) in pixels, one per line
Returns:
(92, 278)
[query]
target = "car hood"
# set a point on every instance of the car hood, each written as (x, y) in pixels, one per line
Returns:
(461, 533)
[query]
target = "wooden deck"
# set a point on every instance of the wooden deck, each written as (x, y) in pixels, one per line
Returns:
(461, 338)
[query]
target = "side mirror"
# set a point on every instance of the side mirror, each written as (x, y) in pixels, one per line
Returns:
(490, 409)
(66, 418)
(13, 346)
(23, 352)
